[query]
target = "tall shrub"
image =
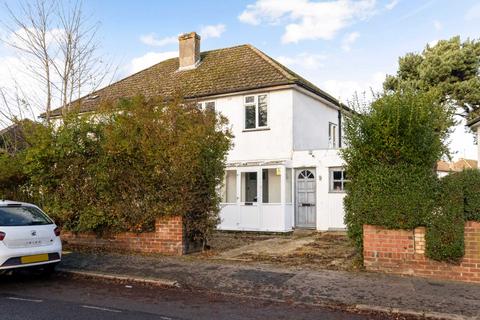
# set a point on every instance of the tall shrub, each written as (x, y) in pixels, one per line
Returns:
(131, 162)
(391, 152)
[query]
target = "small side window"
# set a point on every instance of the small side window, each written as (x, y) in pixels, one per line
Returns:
(332, 135)
(210, 105)
(206, 105)
(338, 180)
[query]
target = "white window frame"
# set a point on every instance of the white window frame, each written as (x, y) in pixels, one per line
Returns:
(332, 180)
(332, 135)
(202, 105)
(257, 117)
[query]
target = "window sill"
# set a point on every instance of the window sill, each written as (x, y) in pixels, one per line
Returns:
(338, 192)
(256, 129)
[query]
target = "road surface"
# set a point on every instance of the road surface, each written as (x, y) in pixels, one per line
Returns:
(28, 296)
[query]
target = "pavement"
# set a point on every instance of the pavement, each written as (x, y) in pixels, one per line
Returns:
(60, 297)
(359, 290)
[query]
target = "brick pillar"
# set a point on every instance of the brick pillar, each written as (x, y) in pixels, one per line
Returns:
(170, 233)
(419, 240)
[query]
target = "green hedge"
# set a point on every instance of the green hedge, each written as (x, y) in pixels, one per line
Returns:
(458, 201)
(399, 196)
(445, 228)
(391, 151)
(138, 160)
(470, 180)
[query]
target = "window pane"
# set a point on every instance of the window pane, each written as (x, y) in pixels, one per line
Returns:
(262, 111)
(288, 186)
(271, 184)
(199, 105)
(229, 191)
(337, 175)
(250, 99)
(332, 135)
(249, 187)
(249, 117)
(337, 186)
(210, 106)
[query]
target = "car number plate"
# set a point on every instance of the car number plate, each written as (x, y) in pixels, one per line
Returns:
(34, 258)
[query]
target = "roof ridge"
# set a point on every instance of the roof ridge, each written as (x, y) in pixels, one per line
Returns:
(273, 63)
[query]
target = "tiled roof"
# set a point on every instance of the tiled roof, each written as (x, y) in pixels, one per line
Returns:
(457, 166)
(444, 166)
(220, 71)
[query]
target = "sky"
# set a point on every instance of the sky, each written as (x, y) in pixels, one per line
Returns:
(343, 46)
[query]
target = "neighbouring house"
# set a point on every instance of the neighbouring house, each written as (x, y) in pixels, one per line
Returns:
(444, 168)
(284, 170)
(12, 138)
(474, 125)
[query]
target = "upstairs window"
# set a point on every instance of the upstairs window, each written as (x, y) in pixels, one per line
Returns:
(332, 135)
(206, 105)
(256, 111)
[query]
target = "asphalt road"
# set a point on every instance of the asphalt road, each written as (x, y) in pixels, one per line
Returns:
(28, 296)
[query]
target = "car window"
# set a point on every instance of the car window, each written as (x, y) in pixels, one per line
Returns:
(22, 216)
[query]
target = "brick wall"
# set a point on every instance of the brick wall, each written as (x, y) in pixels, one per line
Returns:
(168, 238)
(403, 252)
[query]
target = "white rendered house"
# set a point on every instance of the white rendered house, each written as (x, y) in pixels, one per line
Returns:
(284, 171)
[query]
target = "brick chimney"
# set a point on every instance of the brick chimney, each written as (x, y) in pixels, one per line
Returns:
(189, 51)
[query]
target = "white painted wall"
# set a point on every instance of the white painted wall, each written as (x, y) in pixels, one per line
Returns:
(274, 143)
(330, 210)
(310, 122)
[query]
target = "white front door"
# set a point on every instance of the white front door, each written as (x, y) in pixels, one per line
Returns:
(305, 203)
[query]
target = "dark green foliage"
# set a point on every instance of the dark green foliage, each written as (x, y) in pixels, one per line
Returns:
(133, 162)
(392, 149)
(451, 68)
(470, 181)
(394, 196)
(445, 224)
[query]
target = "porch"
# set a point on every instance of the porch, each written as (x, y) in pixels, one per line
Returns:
(258, 197)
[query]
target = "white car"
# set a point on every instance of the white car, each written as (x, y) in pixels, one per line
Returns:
(28, 238)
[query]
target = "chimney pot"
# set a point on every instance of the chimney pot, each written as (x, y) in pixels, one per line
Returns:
(189, 50)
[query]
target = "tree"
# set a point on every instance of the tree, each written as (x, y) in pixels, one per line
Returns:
(391, 151)
(451, 67)
(56, 42)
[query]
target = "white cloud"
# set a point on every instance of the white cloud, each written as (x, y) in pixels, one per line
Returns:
(437, 25)
(433, 43)
(417, 10)
(348, 40)
(392, 4)
(149, 59)
(345, 90)
(308, 20)
(473, 13)
(212, 31)
(303, 60)
(152, 40)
